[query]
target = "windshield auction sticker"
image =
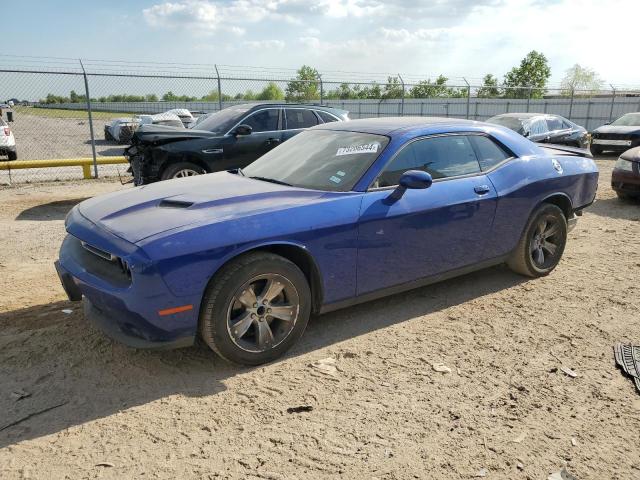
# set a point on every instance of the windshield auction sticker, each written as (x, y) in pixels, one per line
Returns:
(368, 148)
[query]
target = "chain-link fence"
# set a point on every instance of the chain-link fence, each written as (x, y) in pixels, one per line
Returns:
(65, 110)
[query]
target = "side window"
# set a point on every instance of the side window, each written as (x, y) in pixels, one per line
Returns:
(300, 118)
(538, 127)
(326, 118)
(554, 123)
(442, 157)
(263, 121)
(489, 152)
(566, 124)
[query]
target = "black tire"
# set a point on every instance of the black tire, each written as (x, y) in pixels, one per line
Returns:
(12, 155)
(626, 197)
(222, 307)
(180, 169)
(595, 150)
(525, 259)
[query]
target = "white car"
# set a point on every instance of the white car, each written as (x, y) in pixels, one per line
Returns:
(7, 141)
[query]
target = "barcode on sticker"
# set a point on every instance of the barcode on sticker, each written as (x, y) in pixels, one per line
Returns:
(368, 148)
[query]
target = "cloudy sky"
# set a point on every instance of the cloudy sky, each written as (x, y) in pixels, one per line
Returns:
(421, 37)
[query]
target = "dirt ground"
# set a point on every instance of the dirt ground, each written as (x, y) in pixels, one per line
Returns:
(95, 409)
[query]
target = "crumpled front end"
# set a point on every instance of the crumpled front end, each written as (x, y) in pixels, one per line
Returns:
(145, 162)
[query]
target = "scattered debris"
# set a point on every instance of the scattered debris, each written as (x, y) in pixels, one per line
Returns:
(574, 442)
(561, 475)
(326, 366)
(30, 415)
(67, 311)
(441, 367)
(568, 372)
(520, 438)
(388, 452)
(520, 466)
(105, 464)
(300, 409)
(19, 395)
(481, 473)
(628, 359)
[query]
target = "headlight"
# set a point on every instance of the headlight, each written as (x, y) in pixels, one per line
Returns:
(624, 165)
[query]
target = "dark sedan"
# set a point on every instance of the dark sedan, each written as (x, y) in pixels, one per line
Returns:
(228, 139)
(625, 179)
(544, 128)
(617, 136)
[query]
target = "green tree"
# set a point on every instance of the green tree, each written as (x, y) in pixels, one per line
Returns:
(271, 92)
(169, 97)
(580, 79)
(489, 87)
(393, 88)
(151, 97)
(305, 86)
(429, 89)
(533, 72)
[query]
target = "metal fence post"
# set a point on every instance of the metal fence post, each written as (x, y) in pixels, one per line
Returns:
(219, 89)
(402, 99)
(613, 99)
(468, 96)
(571, 103)
(93, 138)
(529, 99)
(321, 89)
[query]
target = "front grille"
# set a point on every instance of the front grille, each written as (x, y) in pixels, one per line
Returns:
(611, 136)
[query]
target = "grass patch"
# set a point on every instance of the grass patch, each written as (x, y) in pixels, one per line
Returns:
(66, 113)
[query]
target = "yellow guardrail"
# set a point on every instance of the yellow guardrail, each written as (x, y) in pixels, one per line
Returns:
(85, 163)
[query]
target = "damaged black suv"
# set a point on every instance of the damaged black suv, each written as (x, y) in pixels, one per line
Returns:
(231, 138)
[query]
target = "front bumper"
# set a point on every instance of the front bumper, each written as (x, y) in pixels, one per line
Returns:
(626, 182)
(127, 311)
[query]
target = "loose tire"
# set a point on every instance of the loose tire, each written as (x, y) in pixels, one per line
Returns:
(595, 150)
(12, 155)
(542, 243)
(181, 170)
(255, 308)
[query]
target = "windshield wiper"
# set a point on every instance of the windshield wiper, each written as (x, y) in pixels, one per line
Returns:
(272, 180)
(240, 172)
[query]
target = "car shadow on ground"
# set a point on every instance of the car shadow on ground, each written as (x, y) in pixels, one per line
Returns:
(616, 208)
(73, 374)
(50, 211)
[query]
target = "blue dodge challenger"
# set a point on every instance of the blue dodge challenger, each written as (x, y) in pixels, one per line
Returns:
(340, 214)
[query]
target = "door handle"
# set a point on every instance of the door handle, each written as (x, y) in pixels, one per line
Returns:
(482, 189)
(273, 141)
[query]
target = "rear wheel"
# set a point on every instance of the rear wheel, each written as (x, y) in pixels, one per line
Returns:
(542, 243)
(12, 155)
(181, 170)
(625, 196)
(595, 150)
(255, 308)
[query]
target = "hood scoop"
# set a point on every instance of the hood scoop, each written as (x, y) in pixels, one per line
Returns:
(175, 204)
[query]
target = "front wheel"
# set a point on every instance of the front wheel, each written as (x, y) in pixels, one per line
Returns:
(255, 308)
(595, 150)
(181, 170)
(12, 155)
(542, 243)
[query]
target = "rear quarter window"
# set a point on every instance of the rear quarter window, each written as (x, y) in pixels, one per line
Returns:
(489, 153)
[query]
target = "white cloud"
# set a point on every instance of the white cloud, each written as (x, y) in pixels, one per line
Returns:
(268, 45)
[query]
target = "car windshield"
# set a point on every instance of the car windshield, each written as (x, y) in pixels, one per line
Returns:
(222, 121)
(512, 123)
(628, 120)
(330, 160)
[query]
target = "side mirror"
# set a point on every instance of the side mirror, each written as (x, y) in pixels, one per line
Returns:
(411, 179)
(415, 179)
(242, 130)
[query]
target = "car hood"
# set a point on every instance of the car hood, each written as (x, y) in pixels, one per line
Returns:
(164, 133)
(617, 129)
(145, 211)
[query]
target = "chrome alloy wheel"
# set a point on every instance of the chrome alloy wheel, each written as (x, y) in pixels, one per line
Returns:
(545, 242)
(185, 172)
(263, 312)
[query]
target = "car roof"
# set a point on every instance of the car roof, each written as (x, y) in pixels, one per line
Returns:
(528, 115)
(389, 125)
(313, 106)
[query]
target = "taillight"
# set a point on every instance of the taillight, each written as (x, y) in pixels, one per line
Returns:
(7, 131)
